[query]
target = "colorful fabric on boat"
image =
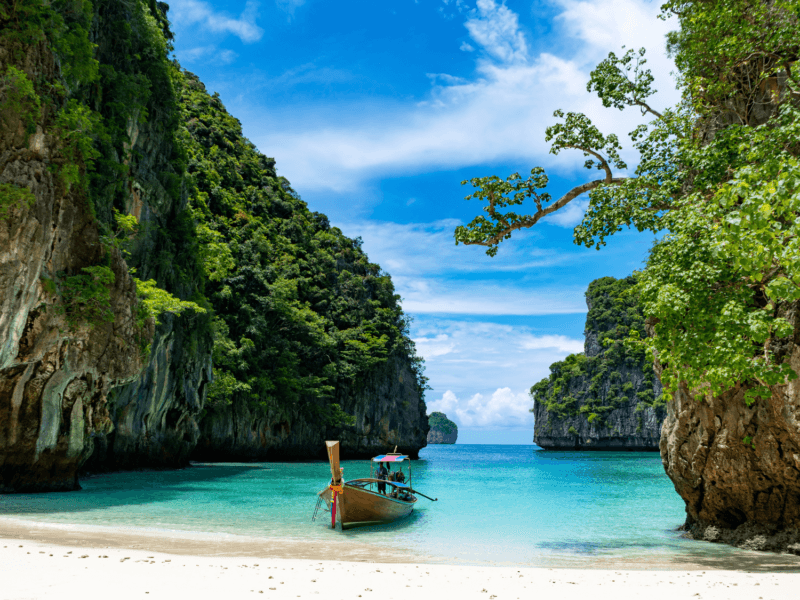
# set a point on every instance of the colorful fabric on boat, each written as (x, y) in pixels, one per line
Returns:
(384, 458)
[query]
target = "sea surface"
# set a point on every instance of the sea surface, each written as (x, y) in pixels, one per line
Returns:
(504, 505)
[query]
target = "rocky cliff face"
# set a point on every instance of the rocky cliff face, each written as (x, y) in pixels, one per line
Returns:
(737, 467)
(607, 398)
(437, 437)
(387, 411)
(155, 415)
(443, 430)
(56, 368)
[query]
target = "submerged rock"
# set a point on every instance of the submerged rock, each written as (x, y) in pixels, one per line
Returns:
(443, 430)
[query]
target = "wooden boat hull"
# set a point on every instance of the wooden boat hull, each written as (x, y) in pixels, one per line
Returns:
(357, 506)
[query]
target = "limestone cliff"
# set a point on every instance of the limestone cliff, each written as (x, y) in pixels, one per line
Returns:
(386, 411)
(443, 430)
(306, 337)
(58, 359)
(737, 467)
(607, 398)
(155, 415)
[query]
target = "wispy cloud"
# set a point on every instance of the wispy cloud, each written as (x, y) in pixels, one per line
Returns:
(308, 73)
(433, 276)
(500, 114)
(496, 29)
(289, 6)
(407, 249)
(202, 14)
(208, 54)
(488, 297)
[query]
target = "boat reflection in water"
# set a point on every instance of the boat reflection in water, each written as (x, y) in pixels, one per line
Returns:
(369, 500)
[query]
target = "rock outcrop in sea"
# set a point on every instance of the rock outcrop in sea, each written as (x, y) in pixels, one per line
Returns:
(737, 467)
(296, 337)
(608, 397)
(443, 430)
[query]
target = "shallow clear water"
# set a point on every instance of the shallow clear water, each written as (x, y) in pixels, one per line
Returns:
(497, 504)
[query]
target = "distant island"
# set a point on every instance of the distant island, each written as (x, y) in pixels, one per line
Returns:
(443, 430)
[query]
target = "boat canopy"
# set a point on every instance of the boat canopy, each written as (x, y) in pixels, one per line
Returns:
(390, 458)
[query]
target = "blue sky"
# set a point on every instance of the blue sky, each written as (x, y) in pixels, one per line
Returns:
(375, 110)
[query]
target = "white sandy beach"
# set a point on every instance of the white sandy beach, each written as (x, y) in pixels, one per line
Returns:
(68, 564)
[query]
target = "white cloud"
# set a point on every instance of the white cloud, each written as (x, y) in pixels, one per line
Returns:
(445, 78)
(610, 23)
(488, 297)
(560, 342)
(435, 346)
(503, 408)
(409, 249)
(466, 47)
(196, 12)
(481, 371)
(434, 276)
(499, 115)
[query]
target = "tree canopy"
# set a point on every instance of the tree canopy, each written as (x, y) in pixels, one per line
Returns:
(717, 178)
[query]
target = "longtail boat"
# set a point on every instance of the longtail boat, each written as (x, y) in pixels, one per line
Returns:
(368, 500)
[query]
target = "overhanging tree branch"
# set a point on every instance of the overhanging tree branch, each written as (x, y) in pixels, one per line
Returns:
(531, 220)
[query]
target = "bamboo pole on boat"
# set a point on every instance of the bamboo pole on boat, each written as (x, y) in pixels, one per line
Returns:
(336, 478)
(333, 457)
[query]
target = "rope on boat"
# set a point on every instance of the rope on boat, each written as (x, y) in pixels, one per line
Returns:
(316, 509)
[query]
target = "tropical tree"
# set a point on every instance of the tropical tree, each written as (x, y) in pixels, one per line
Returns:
(718, 177)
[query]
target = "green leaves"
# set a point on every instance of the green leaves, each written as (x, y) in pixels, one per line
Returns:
(578, 132)
(77, 125)
(18, 99)
(86, 297)
(729, 54)
(501, 194)
(156, 301)
(14, 196)
(623, 82)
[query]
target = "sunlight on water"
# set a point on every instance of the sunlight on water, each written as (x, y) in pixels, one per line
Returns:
(498, 504)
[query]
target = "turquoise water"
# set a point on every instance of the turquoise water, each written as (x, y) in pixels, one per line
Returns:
(497, 504)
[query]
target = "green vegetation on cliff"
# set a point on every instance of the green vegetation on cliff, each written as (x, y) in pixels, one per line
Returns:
(299, 308)
(439, 422)
(94, 106)
(592, 386)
